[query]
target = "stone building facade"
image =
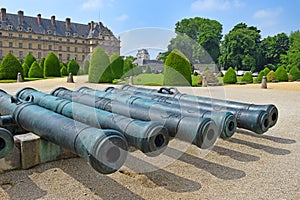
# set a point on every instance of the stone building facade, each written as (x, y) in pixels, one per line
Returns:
(21, 35)
(143, 60)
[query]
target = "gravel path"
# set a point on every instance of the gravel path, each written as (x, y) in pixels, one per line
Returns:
(247, 166)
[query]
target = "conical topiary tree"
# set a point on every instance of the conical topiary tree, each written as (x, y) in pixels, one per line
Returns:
(295, 72)
(35, 71)
(116, 65)
(51, 66)
(86, 65)
(29, 59)
(281, 74)
(247, 77)
(230, 76)
(10, 67)
(73, 67)
(177, 69)
(25, 69)
(262, 73)
(99, 69)
(271, 76)
(63, 70)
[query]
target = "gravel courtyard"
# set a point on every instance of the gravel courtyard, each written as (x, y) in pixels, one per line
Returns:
(246, 166)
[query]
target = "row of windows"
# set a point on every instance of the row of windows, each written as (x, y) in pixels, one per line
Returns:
(68, 56)
(50, 47)
(10, 35)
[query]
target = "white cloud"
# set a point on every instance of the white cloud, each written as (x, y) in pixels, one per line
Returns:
(267, 13)
(122, 17)
(96, 4)
(211, 5)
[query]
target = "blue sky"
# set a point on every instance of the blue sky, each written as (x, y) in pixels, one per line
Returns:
(271, 17)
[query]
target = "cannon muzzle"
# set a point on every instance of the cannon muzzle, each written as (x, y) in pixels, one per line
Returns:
(6, 142)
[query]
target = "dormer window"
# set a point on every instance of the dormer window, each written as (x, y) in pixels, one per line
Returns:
(49, 31)
(20, 28)
(10, 27)
(75, 34)
(68, 33)
(29, 29)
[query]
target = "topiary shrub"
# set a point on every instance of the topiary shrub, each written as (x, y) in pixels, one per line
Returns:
(230, 76)
(73, 67)
(271, 76)
(35, 71)
(148, 70)
(281, 74)
(262, 73)
(10, 67)
(99, 69)
(52, 66)
(294, 71)
(296, 76)
(220, 74)
(63, 70)
(177, 70)
(86, 67)
(29, 59)
(42, 62)
(116, 65)
(247, 77)
(25, 69)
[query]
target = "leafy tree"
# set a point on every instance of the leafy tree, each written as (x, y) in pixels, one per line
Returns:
(128, 66)
(206, 33)
(86, 67)
(99, 69)
(116, 65)
(293, 54)
(163, 56)
(29, 59)
(10, 67)
(274, 47)
(52, 66)
(148, 70)
(271, 76)
(230, 76)
(25, 69)
(73, 67)
(247, 77)
(35, 71)
(183, 43)
(177, 70)
(281, 74)
(241, 48)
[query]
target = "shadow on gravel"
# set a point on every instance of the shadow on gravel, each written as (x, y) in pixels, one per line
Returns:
(267, 137)
(162, 178)
(219, 171)
(236, 155)
(268, 149)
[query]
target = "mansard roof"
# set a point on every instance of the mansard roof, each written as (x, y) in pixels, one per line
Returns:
(58, 28)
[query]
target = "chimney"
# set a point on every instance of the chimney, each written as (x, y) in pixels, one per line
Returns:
(3, 14)
(68, 24)
(53, 20)
(92, 25)
(39, 19)
(20, 17)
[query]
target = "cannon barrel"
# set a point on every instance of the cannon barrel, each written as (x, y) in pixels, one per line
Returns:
(225, 121)
(6, 142)
(254, 120)
(150, 137)
(202, 132)
(105, 150)
(271, 109)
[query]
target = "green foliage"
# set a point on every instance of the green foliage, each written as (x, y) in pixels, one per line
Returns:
(295, 72)
(10, 67)
(99, 69)
(148, 70)
(247, 77)
(281, 74)
(73, 67)
(128, 65)
(86, 65)
(177, 70)
(29, 59)
(35, 71)
(271, 76)
(42, 62)
(116, 65)
(52, 66)
(220, 74)
(64, 71)
(230, 76)
(25, 69)
(262, 73)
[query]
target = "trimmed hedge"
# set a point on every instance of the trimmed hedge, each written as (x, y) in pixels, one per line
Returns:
(52, 66)
(99, 69)
(177, 70)
(281, 74)
(271, 76)
(29, 59)
(35, 71)
(86, 65)
(262, 73)
(25, 69)
(63, 70)
(230, 76)
(10, 67)
(73, 67)
(42, 62)
(247, 77)
(294, 71)
(116, 65)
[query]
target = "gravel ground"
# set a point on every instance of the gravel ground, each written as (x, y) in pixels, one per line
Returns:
(247, 166)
